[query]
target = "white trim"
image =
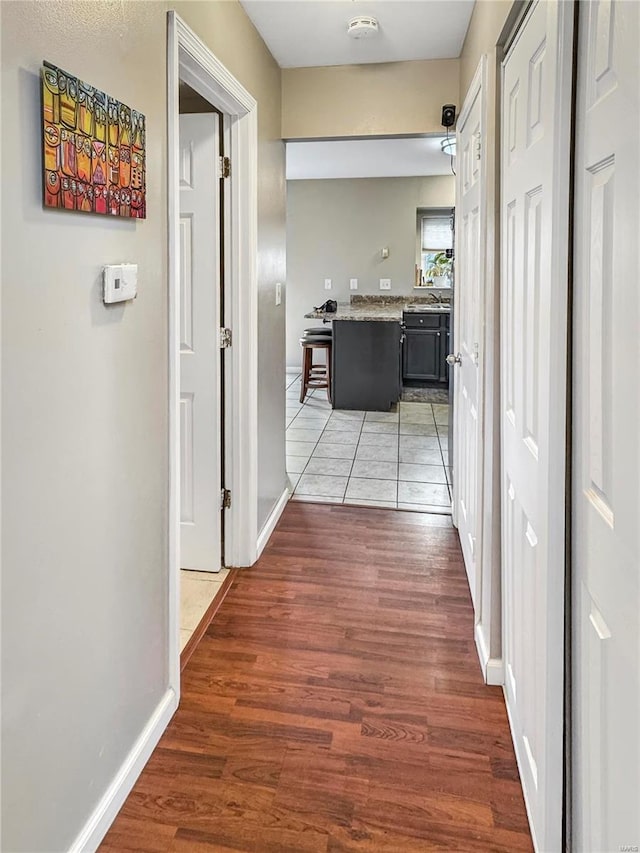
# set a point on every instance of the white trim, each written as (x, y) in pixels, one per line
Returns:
(494, 672)
(492, 668)
(107, 809)
(477, 88)
(273, 519)
(188, 58)
(477, 84)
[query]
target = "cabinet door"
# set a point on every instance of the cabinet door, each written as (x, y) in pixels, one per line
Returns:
(422, 354)
(444, 349)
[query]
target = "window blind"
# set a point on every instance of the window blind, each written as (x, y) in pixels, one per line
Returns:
(436, 233)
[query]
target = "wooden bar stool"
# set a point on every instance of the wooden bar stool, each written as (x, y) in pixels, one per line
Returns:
(315, 375)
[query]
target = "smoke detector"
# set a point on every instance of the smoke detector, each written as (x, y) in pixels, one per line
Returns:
(362, 27)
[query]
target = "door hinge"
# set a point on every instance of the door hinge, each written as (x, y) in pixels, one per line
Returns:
(225, 338)
(478, 146)
(224, 168)
(225, 499)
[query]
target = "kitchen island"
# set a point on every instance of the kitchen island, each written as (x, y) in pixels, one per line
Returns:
(367, 351)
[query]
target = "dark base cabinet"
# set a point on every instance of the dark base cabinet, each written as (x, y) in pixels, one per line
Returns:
(366, 359)
(425, 347)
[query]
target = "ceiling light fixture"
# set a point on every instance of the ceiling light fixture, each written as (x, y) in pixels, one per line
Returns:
(362, 27)
(448, 146)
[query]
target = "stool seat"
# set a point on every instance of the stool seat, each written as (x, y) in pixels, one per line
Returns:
(319, 330)
(315, 339)
(315, 375)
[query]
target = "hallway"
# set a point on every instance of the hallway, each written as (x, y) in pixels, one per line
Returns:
(336, 703)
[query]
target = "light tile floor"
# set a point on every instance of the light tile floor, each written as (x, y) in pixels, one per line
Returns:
(197, 591)
(393, 459)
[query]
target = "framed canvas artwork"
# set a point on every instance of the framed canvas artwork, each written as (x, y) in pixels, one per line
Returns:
(94, 149)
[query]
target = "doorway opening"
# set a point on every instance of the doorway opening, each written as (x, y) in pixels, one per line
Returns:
(202, 403)
(354, 236)
(213, 490)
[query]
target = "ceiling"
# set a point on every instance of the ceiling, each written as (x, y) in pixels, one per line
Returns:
(304, 33)
(367, 158)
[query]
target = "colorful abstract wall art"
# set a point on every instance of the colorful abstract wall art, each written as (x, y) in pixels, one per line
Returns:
(94, 149)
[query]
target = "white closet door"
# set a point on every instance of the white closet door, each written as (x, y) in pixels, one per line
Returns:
(606, 419)
(200, 465)
(469, 312)
(536, 88)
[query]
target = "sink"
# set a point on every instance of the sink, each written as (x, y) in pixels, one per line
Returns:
(432, 307)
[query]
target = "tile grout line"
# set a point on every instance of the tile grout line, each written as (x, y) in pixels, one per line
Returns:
(311, 454)
(355, 453)
(295, 488)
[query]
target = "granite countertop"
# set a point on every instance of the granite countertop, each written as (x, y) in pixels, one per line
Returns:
(385, 313)
(384, 309)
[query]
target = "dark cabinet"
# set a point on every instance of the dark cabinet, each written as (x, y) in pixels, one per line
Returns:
(365, 364)
(425, 347)
(421, 354)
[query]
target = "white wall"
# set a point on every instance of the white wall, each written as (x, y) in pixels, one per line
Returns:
(337, 228)
(373, 99)
(84, 408)
(84, 474)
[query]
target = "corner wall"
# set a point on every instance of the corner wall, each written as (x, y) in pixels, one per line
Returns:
(84, 437)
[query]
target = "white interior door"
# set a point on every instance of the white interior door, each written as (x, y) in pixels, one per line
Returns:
(536, 105)
(606, 421)
(469, 308)
(200, 427)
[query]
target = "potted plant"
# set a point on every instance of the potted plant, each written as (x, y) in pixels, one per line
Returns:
(439, 270)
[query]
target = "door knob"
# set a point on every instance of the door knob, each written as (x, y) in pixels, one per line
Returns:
(454, 358)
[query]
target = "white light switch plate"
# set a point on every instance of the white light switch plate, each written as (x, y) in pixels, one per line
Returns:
(353, 283)
(278, 293)
(385, 284)
(327, 284)
(120, 282)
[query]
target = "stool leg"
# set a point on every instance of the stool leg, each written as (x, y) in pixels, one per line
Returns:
(307, 355)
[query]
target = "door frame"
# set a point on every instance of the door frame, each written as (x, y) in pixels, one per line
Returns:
(189, 59)
(487, 596)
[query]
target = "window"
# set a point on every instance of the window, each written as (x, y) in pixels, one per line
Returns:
(436, 244)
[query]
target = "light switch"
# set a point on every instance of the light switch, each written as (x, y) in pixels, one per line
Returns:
(278, 293)
(120, 282)
(327, 284)
(385, 284)
(353, 283)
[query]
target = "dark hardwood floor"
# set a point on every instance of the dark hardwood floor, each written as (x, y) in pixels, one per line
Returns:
(336, 703)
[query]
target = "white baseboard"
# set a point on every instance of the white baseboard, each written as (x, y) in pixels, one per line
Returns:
(271, 522)
(492, 668)
(494, 672)
(105, 812)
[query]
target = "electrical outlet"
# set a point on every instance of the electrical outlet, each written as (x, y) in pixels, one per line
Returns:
(385, 284)
(327, 284)
(278, 293)
(353, 283)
